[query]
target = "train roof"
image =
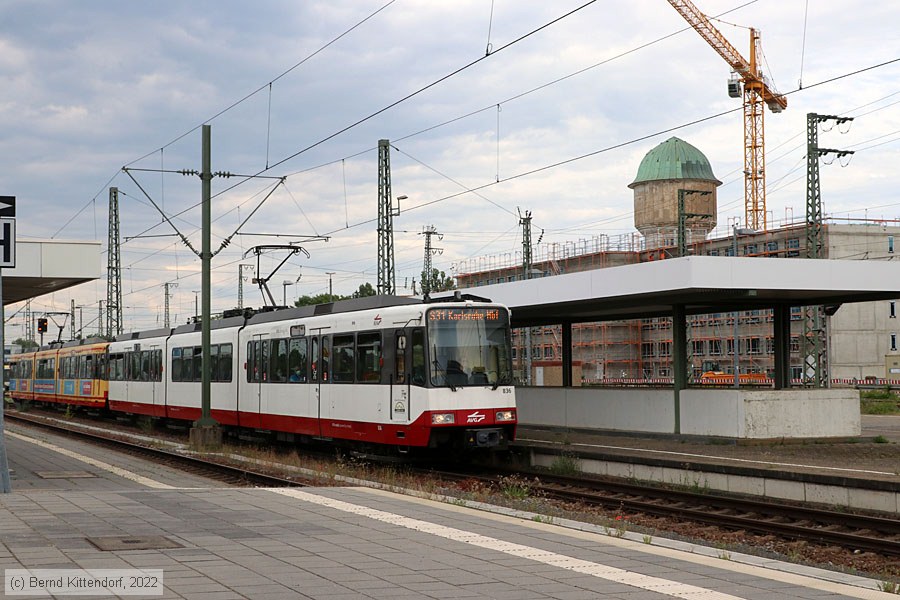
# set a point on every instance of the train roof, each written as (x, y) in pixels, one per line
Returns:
(339, 306)
(84, 342)
(271, 316)
(140, 335)
(214, 324)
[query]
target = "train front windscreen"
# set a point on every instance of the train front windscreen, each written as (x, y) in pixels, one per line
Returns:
(469, 346)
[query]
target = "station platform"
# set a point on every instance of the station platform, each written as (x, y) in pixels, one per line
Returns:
(338, 543)
(862, 473)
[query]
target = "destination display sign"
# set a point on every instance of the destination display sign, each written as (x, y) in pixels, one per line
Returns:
(464, 314)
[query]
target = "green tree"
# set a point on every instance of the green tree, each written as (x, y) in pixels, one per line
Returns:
(438, 282)
(318, 299)
(364, 290)
(25, 344)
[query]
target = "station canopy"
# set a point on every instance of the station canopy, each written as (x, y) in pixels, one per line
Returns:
(701, 284)
(45, 266)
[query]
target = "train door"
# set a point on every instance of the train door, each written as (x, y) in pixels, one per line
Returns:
(320, 377)
(250, 403)
(157, 387)
(400, 379)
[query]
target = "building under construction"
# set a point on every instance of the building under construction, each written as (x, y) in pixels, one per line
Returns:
(675, 190)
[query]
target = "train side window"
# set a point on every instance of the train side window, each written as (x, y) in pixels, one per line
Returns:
(368, 365)
(225, 358)
(400, 359)
(297, 359)
(253, 361)
(326, 357)
(187, 367)
(187, 363)
(213, 362)
(100, 366)
(316, 359)
(86, 367)
(343, 358)
(154, 365)
(113, 366)
(279, 370)
(418, 357)
(135, 366)
(263, 360)
(198, 364)
(145, 365)
(177, 368)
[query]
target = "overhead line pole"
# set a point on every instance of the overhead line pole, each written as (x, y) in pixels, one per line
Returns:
(814, 346)
(5, 484)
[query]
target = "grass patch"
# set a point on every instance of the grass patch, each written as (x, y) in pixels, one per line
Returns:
(565, 464)
(879, 402)
(878, 407)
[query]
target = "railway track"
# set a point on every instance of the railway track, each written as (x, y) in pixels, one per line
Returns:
(230, 474)
(855, 532)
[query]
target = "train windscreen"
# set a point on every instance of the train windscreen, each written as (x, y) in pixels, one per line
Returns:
(469, 346)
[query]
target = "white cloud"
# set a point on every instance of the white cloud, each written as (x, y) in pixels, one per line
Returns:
(91, 87)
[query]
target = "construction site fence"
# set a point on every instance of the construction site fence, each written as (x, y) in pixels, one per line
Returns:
(867, 383)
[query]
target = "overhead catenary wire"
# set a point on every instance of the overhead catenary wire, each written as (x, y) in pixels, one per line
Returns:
(608, 148)
(262, 87)
(347, 219)
(377, 112)
(497, 105)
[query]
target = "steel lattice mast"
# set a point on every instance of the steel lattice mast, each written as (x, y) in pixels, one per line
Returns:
(166, 319)
(386, 213)
(113, 269)
(430, 251)
(814, 347)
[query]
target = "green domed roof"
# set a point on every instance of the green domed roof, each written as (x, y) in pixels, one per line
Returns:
(674, 159)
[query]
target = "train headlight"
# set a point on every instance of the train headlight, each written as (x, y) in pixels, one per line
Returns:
(505, 415)
(443, 418)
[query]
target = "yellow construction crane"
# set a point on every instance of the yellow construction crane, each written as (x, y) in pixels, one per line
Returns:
(756, 91)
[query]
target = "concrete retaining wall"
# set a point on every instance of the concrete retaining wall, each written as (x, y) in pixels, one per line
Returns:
(738, 414)
(768, 487)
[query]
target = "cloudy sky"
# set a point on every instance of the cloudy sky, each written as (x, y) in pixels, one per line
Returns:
(533, 108)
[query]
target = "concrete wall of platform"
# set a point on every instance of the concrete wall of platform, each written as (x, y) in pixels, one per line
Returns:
(735, 414)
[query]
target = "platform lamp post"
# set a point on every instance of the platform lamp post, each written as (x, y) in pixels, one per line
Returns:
(736, 231)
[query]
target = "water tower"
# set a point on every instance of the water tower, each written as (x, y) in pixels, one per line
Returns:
(667, 168)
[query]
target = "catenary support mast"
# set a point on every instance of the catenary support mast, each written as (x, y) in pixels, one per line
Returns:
(814, 346)
(386, 276)
(113, 270)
